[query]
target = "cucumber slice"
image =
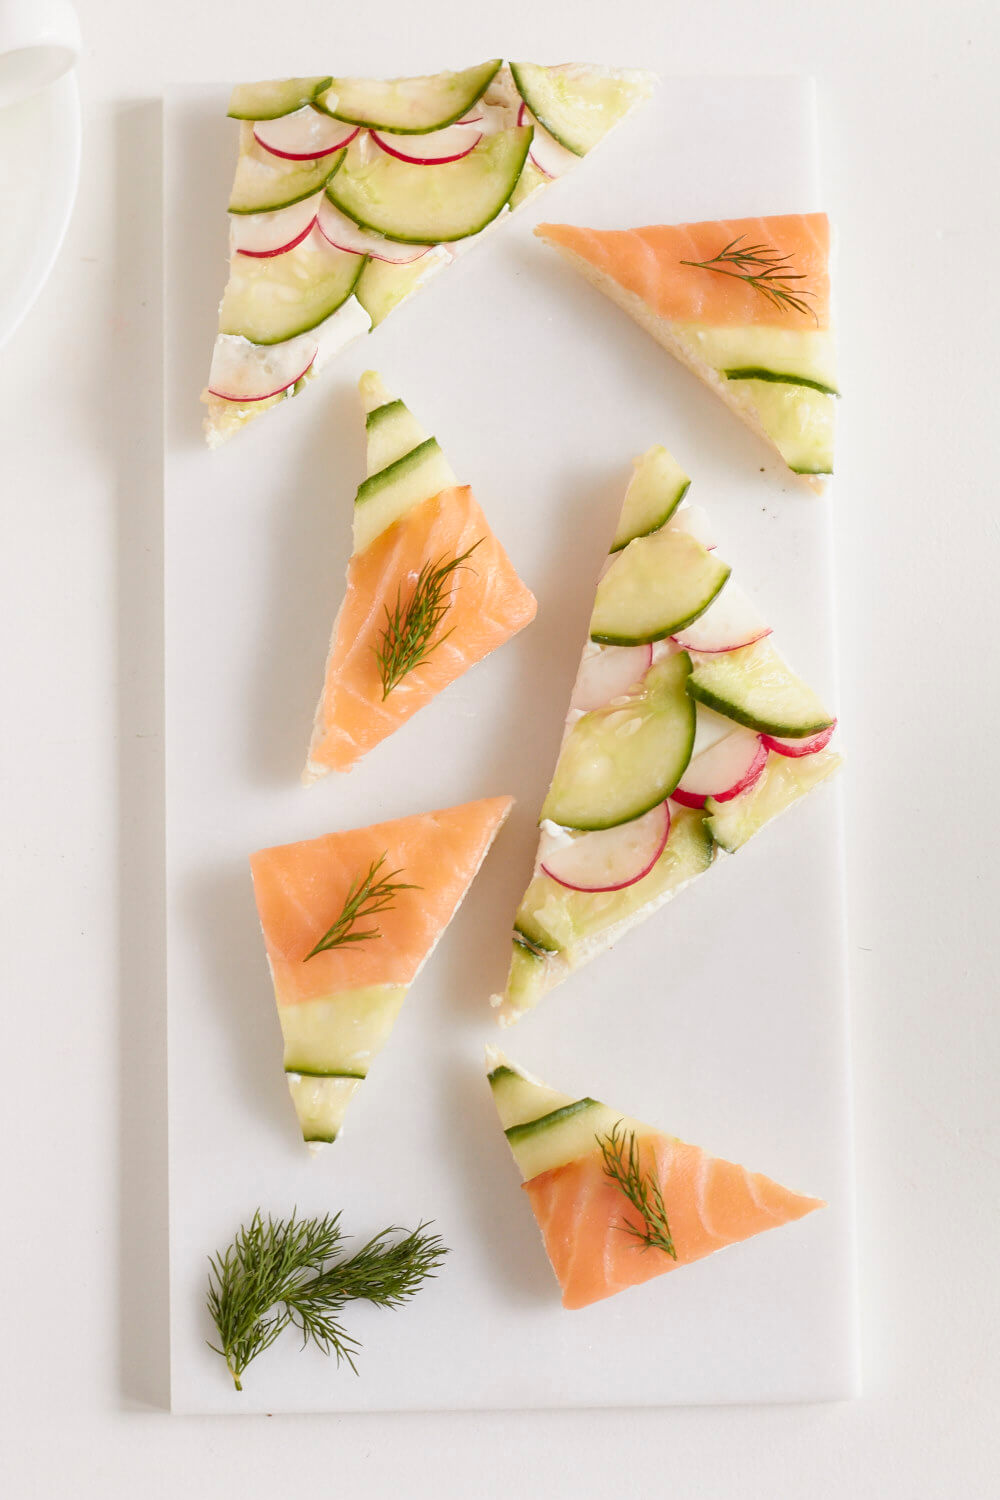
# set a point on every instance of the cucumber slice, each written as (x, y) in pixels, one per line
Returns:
(321, 1104)
(271, 100)
(798, 420)
(382, 499)
(265, 183)
(783, 782)
(563, 919)
(579, 104)
(659, 584)
(519, 1098)
(338, 1037)
(278, 297)
(755, 686)
(658, 486)
(392, 431)
(384, 286)
(619, 761)
(561, 1136)
(423, 205)
(528, 978)
(531, 181)
(407, 106)
(797, 356)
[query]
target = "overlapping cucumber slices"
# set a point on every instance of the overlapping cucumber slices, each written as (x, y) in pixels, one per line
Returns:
(744, 303)
(430, 590)
(350, 193)
(619, 1202)
(349, 919)
(686, 733)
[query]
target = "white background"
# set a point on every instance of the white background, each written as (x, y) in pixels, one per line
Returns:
(909, 114)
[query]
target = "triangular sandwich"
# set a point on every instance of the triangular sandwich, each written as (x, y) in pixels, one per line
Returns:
(430, 590)
(744, 303)
(686, 733)
(619, 1202)
(349, 920)
(350, 193)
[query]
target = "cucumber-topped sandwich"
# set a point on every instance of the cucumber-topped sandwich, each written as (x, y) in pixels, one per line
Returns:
(744, 303)
(619, 1202)
(350, 193)
(687, 732)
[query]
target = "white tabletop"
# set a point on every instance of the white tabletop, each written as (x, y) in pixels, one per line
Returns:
(909, 115)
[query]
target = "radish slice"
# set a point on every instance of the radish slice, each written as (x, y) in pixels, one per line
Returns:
(728, 768)
(795, 748)
(609, 673)
(694, 520)
(439, 146)
(242, 371)
(730, 621)
(551, 158)
(272, 234)
(612, 858)
(344, 234)
(303, 136)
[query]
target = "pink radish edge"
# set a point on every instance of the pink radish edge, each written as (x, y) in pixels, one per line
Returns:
(280, 250)
(662, 812)
(306, 155)
(246, 400)
(752, 774)
(423, 161)
(797, 748)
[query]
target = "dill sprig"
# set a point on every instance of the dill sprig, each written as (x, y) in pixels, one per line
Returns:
(369, 894)
(764, 268)
(620, 1151)
(408, 637)
(275, 1275)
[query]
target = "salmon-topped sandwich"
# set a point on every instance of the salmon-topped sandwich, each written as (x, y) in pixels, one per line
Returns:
(619, 1202)
(349, 920)
(744, 303)
(430, 591)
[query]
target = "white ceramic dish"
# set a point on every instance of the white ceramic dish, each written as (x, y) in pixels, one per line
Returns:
(723, 1019)
(39, 171)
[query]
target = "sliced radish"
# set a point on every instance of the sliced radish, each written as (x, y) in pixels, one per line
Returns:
(551, 158)
(344, 234)
(608, 673)
(612, 858)
(438, 147)
(795, 748)
(242, 371)
(728, 768)
(730, 621)
(305, 135)
(694, 520)
(273, 234)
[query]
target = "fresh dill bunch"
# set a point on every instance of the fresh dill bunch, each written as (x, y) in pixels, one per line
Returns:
(764, 268)
(369, 894)
(276, 1275)
(620, 1151)
(407, 639)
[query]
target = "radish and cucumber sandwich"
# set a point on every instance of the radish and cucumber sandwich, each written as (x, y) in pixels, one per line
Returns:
(619, 1202)
(686, 733)
(744, 303)
(349, 920)
(351, 193)
(430, 590)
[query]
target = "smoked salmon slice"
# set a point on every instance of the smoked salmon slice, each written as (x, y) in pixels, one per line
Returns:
(430, 591)
(349, 919)
(744, 303)
(618, 1202)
